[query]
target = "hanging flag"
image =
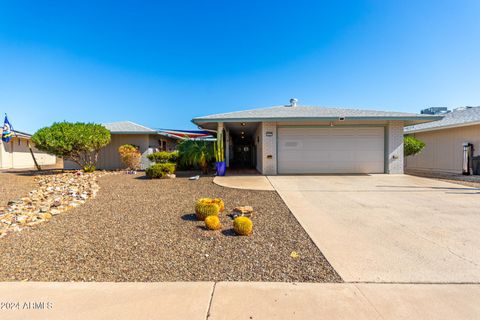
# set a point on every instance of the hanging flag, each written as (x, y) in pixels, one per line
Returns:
(7, 130)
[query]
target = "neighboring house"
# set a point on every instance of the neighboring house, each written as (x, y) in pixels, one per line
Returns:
(16, 155)
(148, 140)
(295, 139)
(444, 140)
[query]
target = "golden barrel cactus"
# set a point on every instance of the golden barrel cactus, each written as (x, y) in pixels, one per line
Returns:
(243, 226)
(206, 207)
(213, 223)
(220, 204)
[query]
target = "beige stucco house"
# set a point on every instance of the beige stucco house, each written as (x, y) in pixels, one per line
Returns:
(444, 141)
(295, 139)
(15, 154)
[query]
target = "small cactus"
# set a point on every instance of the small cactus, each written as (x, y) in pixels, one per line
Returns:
(243, 226)
(220, 204)
(213, 223)
(206, 207)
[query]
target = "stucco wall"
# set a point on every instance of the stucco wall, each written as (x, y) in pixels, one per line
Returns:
(443, 150)
(269, 148)
(395, 147)
(16, 155)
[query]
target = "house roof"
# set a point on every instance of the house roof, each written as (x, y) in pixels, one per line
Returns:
(128, 127)
(302, 113)
(456, 118)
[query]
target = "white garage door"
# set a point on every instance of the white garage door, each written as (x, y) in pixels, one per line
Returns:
(331, 150)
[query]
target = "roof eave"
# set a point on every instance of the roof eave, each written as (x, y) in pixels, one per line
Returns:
(452, 126)
(410, 119)
(133, 132)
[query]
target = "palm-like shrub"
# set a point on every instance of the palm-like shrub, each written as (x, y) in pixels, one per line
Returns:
(196, 153)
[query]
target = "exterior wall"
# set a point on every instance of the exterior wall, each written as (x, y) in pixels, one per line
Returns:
(269, 148)
(395, 147)
(16, 155)
(153, 142)
(259, 146)
(393, 143)
(443, 149)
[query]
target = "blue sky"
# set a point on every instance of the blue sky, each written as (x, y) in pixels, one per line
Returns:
(161, 63)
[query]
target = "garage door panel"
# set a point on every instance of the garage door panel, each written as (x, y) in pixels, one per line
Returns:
(331, 150)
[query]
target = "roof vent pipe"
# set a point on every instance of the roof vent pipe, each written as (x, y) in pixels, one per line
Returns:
(293, 102)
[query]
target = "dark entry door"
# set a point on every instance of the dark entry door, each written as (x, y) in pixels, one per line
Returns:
(244, 155)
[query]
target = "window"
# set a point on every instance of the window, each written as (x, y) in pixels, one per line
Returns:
(162, 145)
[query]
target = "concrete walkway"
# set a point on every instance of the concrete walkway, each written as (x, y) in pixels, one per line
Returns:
(389, 228)
(254, 182)
(237, 300)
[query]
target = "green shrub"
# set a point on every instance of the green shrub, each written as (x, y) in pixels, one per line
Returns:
(163, 157)
(412, 146)
(78, 142)
(196, 153)
(89, 168)
(160, 170)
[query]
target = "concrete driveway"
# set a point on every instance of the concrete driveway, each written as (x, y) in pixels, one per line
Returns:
(389, 228)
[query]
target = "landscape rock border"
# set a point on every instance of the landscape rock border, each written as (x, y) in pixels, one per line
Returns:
(56, 193)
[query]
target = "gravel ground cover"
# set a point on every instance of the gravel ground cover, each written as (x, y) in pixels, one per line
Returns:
(469, 181)
(14, 185)
(145, 230)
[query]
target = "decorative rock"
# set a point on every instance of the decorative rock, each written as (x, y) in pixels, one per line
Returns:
(246, 211)
(56, 193)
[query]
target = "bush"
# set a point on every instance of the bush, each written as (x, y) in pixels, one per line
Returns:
(130, 156)
(213, 223)
(89, 168)
(206, 207)
(78, 142)
(412, 146)
(243, 226)
(160, 170)
(163, 157)
(196, 153)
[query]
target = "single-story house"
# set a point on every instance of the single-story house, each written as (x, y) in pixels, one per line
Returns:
(444, 140)
(294, 139)
(148, 140)
(15, 154)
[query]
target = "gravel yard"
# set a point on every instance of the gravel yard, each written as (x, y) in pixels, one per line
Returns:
(14, 185)
(145, 230)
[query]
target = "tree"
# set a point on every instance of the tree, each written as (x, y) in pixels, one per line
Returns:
(78, 142)
(412, 146)
(195, 152)
(130, 156)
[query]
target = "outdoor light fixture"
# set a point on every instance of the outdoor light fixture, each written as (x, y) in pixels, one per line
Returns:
(243, 124)
(243, 132)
